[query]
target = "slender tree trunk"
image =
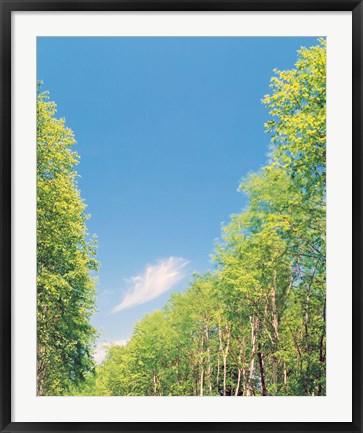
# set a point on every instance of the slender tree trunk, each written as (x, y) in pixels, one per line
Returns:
(250, 388)
(285, 378)
(224, 352)
(209, 368)
(195, 372)
(218, 372)
(307, 343)
(306, 325)
(41, 373)
(274, 371)
(306, 322)
(262, 372)
(238, 382)
(321, 347)
(224, 374)
(275, 323)
(231, 392)
(225, 355)
(245, 389)
(155, 383)
(240, 365)
(201, 380)
(201, 366)
(220, 349)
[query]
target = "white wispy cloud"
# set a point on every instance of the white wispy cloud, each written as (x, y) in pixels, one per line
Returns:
(100, 351)
(156, 280)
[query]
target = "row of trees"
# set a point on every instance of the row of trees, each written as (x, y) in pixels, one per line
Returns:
(256, 324)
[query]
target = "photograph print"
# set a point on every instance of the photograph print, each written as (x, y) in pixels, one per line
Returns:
(181, 216)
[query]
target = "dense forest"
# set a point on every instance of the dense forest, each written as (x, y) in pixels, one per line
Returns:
(255, 325)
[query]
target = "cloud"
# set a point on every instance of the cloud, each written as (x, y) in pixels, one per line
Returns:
(100, 351)
(156, 280)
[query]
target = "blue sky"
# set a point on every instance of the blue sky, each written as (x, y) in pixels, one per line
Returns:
(166, 128)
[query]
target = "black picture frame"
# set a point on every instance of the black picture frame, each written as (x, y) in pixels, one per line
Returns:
(6, 9)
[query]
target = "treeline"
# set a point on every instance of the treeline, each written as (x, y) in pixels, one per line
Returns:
(256, 324)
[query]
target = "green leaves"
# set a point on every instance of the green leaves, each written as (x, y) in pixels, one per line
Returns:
(298, 126)
(65, 257)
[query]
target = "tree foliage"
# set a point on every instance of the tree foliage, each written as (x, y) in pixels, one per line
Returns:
(65, 257)
(256, 324)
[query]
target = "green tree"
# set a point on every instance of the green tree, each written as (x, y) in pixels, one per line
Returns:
(297, 107)
(65, 257)
(273, 258)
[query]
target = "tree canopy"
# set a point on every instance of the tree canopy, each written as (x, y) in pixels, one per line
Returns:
(65, 258)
